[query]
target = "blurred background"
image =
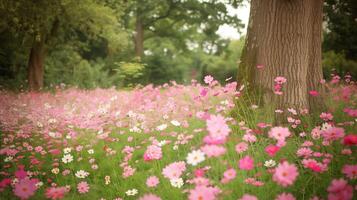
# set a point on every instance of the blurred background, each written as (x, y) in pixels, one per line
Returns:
(122, 43)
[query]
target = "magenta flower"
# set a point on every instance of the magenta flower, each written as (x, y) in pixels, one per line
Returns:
(271, 150)
(25, 188)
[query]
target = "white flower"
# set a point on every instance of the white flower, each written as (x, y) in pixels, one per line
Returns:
(39, 184)
(67, 150)
(55, 170)
(8, 159)
(269, 163)
(225, 102)
(161, 127)
(161, 143)
(195, 157)
(131, 192)
(91, 151)
(175, 147)
(325, 126)
(135, 129)
(175, 123)
(81, 174)
(52, 121)
(176, 182)
(67, 158)
(39, 125)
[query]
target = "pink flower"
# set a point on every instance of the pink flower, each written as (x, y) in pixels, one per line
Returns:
(271, 150)
(326, 116)
(350, 140)
(83, 187)
(229, 175)
(279, 133)
(152, 181)
(241, 147)
(217, 127)
(153, 152)
(246, 163)
(280, 80)
(210, 140)
(248, 197)
(56, 192)
(260, 66)
(25, 188)
(203, 193)
(339, 189)
(350, 171)
(285, 196)
(304, 152)
(21, 173)
(285, 174)
(174, 170)
(208, 79)
(203, 92)
(213, 150)
(333, 133)
(313, 93)
(199, 172)
(312, 164)
(149, 197)
(200, 181)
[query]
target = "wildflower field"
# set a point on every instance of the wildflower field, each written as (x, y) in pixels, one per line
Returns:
(172, 142)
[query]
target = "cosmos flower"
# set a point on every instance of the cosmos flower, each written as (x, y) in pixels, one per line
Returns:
(285, 174)
(83, 187)
(195, 157)
(25, 188)
(152, 181)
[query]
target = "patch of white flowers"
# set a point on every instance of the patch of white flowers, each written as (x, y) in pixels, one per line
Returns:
(269, 163)
(176, 182)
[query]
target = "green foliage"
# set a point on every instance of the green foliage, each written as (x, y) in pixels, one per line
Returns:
(337, 62)
(129, 73)
(341, 29)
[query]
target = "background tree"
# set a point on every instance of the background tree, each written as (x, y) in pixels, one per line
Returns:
(285, 38)
(40, 25)
(339, 42)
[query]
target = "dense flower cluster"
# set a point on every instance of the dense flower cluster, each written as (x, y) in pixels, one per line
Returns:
(176, 142)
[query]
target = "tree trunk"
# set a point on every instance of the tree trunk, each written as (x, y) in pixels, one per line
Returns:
(36, 65)
(139, 38)
(284, 36)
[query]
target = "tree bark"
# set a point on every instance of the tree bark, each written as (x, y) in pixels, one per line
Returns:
(284, 36)
(36, 65)
(139, 38)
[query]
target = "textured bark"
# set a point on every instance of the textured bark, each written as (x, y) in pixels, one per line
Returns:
(285, 37)
(139, 38)
(36, 66)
